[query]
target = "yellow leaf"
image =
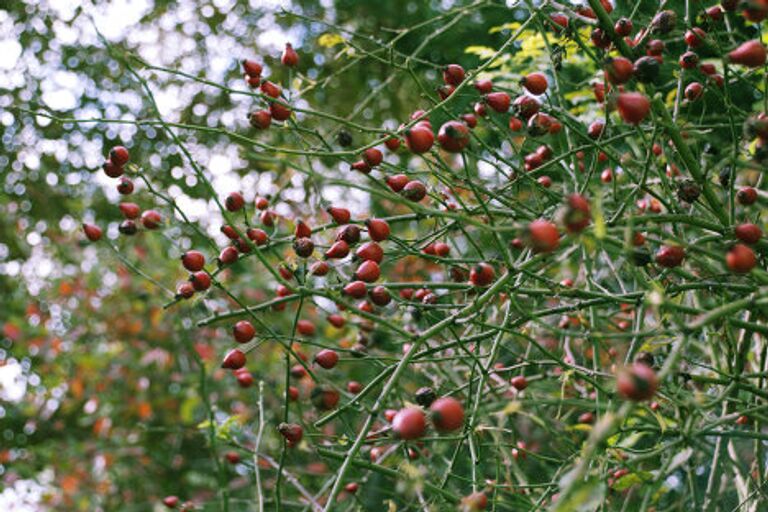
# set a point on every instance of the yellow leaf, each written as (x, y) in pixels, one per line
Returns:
(580, 427)
(511, 408)
(597, 215)
(513, 25)
(670, 100)
(481, 51)
(329, 40)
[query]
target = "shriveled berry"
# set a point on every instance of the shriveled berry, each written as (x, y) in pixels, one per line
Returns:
(379, 296)
(349, 233)
(303, 247)
(292, 432)
(414, 191)
(127, 227)
(646, 69)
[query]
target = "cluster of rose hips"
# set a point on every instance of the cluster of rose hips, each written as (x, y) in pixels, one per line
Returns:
(114, 167)
(277, 109)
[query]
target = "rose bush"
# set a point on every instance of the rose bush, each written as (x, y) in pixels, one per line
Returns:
(538, 284)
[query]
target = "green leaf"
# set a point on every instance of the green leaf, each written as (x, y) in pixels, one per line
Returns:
(631, 479)
(587, 496)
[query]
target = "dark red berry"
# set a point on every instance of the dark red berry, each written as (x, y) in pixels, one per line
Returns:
(368, 271)
(414, 191)
(327, 358)
(670, 256)
(289, 58)
(151, 219)
(519, 382)
(370, 251)
(447, 414)
(243, 331)
(130, 210)
(93, 233)
(419, 139)
(119, 156)
(542, 236)
(234, 202)
(234, 360)
(356, 289)
(125, 186)
(498, 101)
(193, 260)
(453, 74)
(409, 423)
(535, 83)
(453, 136)
(638, 382)
(482, 275)
(740, 259)
(260, 119)
(292, 432)
(200, 280)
